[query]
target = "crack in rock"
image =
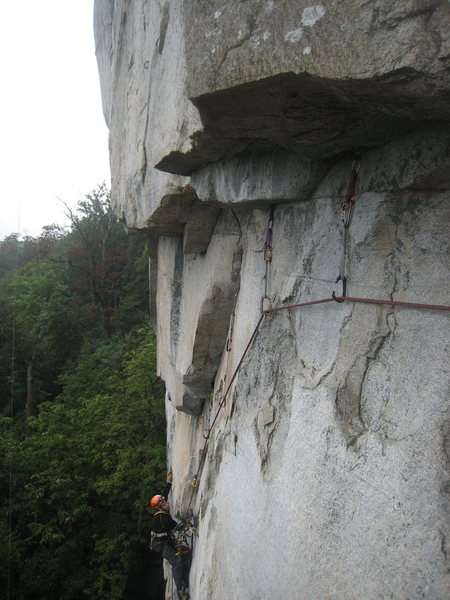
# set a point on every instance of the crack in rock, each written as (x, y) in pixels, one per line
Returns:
(349, 402)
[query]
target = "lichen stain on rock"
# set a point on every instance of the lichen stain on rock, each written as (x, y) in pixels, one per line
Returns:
(312, 14)
(294, 36)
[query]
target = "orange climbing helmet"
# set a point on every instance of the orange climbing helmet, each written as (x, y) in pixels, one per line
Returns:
(156, 501)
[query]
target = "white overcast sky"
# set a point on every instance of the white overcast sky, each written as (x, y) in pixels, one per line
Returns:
(53, 137)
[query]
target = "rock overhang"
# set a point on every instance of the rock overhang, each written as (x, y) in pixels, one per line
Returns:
(208, 81)
(311, 117)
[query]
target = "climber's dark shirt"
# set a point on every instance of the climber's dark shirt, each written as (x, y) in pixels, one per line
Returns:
(162, 521)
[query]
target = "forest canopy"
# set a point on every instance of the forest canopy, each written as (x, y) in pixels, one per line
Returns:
(81, 410)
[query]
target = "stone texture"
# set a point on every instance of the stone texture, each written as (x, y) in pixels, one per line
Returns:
(195, 298)
(316, 79)
(331, 476)
(326, 472)
(241, 42)
(286, 177)
(215, 80)
(140, 49)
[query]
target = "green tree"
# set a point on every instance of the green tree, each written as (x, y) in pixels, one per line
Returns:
(98, 258)
(85, 473)
(46, 328)
(16, 252)
(78, 366)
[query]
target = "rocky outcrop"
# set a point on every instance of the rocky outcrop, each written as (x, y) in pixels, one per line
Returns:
(201, 81)
(326, 472)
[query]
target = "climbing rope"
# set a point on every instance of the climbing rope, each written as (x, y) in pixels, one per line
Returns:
(418, 305)
(267, 251)
(347, 209)
(395, 303)
(267, 311)
(222, 403)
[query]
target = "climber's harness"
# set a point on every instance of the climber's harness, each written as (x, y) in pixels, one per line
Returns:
(176, 538)
(159, 540)
(161, 536)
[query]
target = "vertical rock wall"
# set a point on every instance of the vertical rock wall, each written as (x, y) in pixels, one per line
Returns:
(326, 472)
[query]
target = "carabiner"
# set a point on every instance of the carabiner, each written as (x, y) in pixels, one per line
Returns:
(340, 299)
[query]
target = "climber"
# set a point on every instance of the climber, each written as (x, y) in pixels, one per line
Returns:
(163, 541)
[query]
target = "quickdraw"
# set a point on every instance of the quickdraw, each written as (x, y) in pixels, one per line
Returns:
(347, 206)
(267, 250)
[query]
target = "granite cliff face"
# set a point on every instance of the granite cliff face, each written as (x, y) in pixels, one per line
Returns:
(325, 474)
